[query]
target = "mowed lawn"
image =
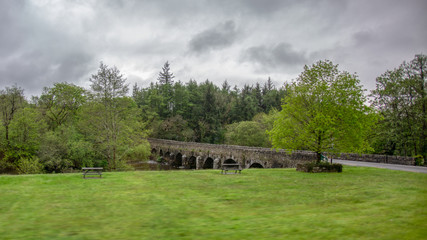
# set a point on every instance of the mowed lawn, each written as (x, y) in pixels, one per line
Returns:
(360, 203)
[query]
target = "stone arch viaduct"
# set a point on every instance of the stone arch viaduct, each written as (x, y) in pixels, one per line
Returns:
(191, 155)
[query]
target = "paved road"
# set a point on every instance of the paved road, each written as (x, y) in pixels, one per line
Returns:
(383, 165)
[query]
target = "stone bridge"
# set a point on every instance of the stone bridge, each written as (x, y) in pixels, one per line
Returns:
(191, 155)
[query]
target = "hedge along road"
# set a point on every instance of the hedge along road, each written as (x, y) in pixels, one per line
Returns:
(407, 168)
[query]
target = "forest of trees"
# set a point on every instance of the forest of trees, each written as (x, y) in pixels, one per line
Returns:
(68, 127)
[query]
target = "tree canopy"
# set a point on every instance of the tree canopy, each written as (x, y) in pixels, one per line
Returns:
(323, 110)
(401, 98)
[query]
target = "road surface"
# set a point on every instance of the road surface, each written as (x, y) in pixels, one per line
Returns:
(407, 168)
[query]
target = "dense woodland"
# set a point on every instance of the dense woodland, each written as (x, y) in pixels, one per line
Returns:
(69, 127)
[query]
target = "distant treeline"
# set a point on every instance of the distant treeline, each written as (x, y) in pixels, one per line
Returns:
(201, 112)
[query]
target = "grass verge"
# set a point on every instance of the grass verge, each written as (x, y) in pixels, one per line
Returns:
(360, 203)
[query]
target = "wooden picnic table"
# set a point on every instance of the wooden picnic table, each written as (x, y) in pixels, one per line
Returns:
(92, 171)
(231, 167)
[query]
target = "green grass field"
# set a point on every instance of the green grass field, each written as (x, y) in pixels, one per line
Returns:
(360, 203)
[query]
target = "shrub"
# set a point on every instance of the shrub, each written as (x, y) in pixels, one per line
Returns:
(315, 167)
(419, 160)
(29, 166)
(139, 152)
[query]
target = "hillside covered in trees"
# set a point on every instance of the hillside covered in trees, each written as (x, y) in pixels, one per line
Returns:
(69, 127)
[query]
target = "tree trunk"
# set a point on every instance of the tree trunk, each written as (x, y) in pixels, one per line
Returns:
(319, 148)
(319, 157)
(7, 135)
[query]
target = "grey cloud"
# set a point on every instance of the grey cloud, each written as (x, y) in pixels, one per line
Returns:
(34, 54)
(218, 37)
(65, 40)
(35, 70)
(363, 37)
(273, 57)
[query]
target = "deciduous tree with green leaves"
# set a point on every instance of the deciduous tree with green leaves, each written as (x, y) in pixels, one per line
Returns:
(11, 100)
(401, 98)
(324, 110)
(60, 102)
(110, 119)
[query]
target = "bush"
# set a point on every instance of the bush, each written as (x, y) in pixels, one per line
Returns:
(419, 160)
(29, 166)
(7, 167)
(140, 152)
(81, 154)
(316, 167)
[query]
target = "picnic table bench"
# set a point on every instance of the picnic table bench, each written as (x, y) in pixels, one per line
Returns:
(231, 167)
(92, 171)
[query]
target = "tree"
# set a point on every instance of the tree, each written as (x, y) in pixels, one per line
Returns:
(246, 133)
(11, 100)
(416, 74)
(166, 76)
(209, 122)
(400, 97)
(174, 128)
(324, 110)
(108, 85)
(61, 102)
(166, 91)
(26, 132)
(109, 112)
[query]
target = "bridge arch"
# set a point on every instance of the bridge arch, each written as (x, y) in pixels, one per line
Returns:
(192, 162)
(208, 164)
(153, 154)
(167, 156)
(229, 160)
(256, 165)
(177, 162)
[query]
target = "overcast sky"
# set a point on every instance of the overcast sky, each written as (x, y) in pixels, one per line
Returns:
(241, 41)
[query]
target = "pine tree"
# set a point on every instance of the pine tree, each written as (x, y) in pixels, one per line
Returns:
(166, 76)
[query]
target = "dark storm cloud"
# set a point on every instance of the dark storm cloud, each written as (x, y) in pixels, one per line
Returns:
(271, 57)
(218, 37)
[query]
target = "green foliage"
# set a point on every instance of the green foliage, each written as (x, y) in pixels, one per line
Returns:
(29, 166)
(140, 152)
(324, 110)
(111, 115)
(315, 167)
(419, 160)
(61, 102)
(25, 133)
(247, 133)
(11, 100)
(54, 152)
(6, 166)
(173, 128)
(166, 76)
(204, 108)
(401, 99)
